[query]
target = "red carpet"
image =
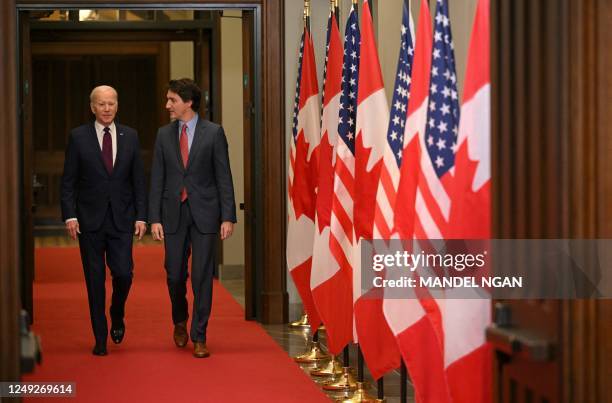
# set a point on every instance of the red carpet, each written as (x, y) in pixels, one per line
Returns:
(245, 364)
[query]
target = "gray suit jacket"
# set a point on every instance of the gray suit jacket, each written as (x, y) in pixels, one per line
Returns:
(208, 179)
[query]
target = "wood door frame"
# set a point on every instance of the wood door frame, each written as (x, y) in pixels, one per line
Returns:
(269, 131)
(11, 207)
(268, 139)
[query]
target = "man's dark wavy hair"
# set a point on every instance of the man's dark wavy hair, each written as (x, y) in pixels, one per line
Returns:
(188, 90)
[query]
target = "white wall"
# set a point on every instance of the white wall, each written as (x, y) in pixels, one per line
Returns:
(232, 121)
(181, 60)
(388, 26)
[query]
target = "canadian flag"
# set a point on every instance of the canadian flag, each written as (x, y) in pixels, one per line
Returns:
(467, 355)
(302, 177)
(375, 338)
(331, 287)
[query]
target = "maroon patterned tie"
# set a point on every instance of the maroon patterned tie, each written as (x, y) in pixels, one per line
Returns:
(107, 150)
(184, 145)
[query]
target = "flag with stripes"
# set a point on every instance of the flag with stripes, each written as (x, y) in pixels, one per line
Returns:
(375, 338)
(468, 358)
(440, 138)
(341, 239)
(392, 157)
(302, 177)
(331, 287)
(415, 323)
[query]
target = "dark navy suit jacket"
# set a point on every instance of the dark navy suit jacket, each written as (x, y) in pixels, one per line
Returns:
(87, 189)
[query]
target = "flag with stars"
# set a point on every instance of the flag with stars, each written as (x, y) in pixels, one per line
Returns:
(331, 291)
(342, 238)
(302, 176)
(440, 138)
(377, 343)
(392, 158)
(416, 323)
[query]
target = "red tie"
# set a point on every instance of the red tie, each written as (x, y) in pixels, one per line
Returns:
(107, 150)
(184, 144)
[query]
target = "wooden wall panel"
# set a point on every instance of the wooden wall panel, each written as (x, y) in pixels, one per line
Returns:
(551, 173)
(274, 206)
(10, 207)
(603, 93)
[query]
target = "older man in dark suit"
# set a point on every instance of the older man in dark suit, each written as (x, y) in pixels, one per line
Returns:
(191, 201)
(103, 199)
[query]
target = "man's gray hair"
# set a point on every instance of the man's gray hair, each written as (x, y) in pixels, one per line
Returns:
(99, 88)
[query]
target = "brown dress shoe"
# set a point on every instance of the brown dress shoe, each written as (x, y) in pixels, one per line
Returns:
(200, 350)
(180, 334)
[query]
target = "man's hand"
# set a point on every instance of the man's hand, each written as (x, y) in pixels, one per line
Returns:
(157, 231)
(72, 227)
(140, 228)
(227, 228)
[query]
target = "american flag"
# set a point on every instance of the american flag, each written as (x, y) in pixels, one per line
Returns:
(296, 99)
(302, 176)
(342, 237)
(392, 158)
(414, 326)
(440, 140)
(350, 77)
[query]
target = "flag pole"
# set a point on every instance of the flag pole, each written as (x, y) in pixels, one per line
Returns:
(336, 9)
(314, 353)
(303, 321)
(360, 395)
(381, 388)
(332, 368)
(403, 383)
(307, 14)
(346, 382)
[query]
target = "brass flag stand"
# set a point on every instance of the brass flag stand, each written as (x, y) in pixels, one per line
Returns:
(301, 323)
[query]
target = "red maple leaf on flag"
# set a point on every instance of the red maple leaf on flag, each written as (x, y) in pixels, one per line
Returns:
(326, 183)
(406, 190)
(468, 220)
(365, 200)
(303, 190)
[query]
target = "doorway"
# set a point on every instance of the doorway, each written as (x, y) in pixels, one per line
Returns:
(65, 53)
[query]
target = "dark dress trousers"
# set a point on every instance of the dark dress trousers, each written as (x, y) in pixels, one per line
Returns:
(106, 206)
(193, 225)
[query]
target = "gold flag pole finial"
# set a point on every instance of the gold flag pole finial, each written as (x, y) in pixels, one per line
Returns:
(307, 14)
(355, 2)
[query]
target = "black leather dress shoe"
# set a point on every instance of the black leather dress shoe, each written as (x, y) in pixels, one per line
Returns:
(117, 333)
(99, 349)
